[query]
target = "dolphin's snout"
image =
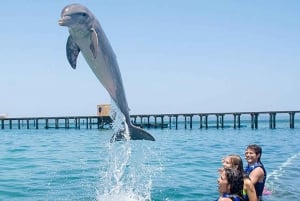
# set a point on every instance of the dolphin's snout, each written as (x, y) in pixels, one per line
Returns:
(60, 22)
(64, 21)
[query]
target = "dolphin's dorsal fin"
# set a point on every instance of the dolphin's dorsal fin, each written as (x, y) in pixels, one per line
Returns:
(72, 51)
(94, 42)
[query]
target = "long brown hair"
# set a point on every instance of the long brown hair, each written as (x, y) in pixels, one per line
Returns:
(236, 162)
(235, 180)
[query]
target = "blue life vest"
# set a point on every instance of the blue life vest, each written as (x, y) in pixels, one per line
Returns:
(259, 186)
(233, 197)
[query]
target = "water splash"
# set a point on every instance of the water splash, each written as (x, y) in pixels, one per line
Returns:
(276, 174)
(119, 125)
(126, 175)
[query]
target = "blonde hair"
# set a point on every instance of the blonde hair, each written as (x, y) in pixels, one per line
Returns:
(236, 162)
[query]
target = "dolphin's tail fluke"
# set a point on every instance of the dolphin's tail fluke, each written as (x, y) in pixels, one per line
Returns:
(137, 133)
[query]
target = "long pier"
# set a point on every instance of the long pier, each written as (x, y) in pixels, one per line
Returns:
(204, 120)
(189, 119)
(66, 122)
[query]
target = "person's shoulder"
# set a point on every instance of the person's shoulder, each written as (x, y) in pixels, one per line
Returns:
(258, 169)
(225, 199)
(247, 181)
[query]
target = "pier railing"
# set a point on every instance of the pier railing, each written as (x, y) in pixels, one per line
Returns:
(203, 120)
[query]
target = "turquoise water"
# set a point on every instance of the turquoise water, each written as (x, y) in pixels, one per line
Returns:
(59, 164)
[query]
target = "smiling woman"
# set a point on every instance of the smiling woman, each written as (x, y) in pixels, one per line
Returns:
(230, 185)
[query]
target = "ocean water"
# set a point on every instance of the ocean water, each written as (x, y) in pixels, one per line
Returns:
(70, 164)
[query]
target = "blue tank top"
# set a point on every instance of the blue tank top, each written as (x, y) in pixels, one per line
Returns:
(259, 186)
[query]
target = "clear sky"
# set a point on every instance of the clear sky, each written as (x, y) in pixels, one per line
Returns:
(174, 57)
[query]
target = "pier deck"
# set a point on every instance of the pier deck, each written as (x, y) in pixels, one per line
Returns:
(148, 120)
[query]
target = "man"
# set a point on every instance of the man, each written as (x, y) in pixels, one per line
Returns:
(255, 169)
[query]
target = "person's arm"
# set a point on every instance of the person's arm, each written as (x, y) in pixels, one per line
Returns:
(250, 190)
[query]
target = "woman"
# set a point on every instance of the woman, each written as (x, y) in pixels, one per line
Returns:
(255, 169)
(236, 162)
(230, 185)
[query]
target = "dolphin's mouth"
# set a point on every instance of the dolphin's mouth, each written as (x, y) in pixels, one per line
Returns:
(64, 21)
(61, 22)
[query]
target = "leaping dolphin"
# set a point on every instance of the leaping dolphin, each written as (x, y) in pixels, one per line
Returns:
(87, 36)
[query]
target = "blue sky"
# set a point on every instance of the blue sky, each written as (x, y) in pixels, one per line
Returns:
(174, 57)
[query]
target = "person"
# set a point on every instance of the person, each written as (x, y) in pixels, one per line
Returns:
(230, 184)
(255, 169)
(236, 162)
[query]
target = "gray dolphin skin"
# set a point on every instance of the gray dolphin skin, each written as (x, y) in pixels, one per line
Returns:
(86, 36)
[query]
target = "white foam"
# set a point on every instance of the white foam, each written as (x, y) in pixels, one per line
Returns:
(124, 178)
(122, 196)
(276, 174)
(119, 124)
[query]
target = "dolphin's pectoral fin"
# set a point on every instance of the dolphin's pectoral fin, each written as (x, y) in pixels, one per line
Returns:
(94, 42)
(72, 51)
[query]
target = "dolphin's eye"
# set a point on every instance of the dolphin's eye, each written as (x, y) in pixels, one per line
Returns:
(81, 14)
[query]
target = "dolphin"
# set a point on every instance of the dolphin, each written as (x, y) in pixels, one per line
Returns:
(87, 36)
